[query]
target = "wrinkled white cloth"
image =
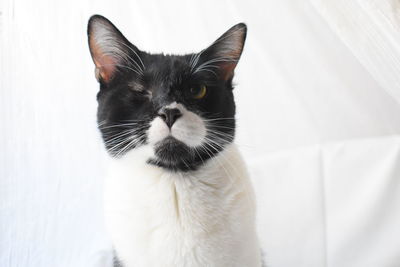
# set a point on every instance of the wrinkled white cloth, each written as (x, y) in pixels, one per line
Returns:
(331, 205)
(318, 97)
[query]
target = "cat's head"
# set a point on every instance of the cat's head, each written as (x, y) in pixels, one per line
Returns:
(181, 106)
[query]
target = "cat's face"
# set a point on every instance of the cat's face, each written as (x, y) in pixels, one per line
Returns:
(180, 106)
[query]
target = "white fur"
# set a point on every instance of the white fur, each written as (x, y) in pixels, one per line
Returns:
(171, 219)
(189, 128)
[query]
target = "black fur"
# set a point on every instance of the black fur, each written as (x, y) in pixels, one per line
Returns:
(167, 78)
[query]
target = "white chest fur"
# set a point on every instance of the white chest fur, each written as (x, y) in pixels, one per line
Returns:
(200, 218)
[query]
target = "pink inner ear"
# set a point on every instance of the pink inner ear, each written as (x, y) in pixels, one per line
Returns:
(105, 64)
(227, 70)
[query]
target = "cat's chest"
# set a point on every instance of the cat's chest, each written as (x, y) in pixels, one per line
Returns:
(202, 218)
(173, 216)
(175, 202)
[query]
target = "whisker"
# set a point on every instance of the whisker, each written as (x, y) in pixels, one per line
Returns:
(122, 136)
(131, 49)
(135, 140)
(123, 66)
(219, 119)
(121, 125)
(213, 72)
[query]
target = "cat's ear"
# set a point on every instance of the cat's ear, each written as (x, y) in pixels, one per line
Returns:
(110, 50)
(225, 52)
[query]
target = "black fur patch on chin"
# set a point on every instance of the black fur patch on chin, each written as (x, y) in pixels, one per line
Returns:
(174, 167)
(174, 155)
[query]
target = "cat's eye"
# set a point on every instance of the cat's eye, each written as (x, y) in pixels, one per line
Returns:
(198, 92)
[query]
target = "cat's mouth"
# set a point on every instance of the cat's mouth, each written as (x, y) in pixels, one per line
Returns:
(173, 154)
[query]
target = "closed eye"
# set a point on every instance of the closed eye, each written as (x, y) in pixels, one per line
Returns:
(144, 93)
(139, 90)
(135, 86)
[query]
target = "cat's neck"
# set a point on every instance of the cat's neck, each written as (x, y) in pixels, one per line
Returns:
(225, 164)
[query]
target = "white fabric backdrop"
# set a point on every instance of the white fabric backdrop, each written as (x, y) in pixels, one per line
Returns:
(318, 100)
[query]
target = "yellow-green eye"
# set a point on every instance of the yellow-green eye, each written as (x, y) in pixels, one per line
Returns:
(198, 92)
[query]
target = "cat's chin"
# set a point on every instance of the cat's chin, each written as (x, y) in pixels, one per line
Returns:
(173, 154)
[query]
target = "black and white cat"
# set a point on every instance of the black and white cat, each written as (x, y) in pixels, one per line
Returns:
(177, 193)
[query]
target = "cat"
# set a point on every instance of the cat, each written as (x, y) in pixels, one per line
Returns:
(177, 192)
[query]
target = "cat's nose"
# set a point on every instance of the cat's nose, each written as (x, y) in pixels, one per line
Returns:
(170, 115)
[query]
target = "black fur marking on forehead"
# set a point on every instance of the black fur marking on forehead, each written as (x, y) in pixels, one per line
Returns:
(135, 85)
